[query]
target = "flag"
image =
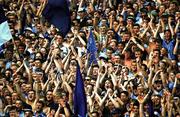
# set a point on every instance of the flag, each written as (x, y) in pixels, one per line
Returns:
(57, 13)
(5, 33)
(80, 104)
(91, 49)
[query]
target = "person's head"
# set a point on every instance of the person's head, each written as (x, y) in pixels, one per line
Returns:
(19, 105)
(140, 89)
(103, 29)
(12, 17)
(136, 108)
(73, 65)
(38, 63)
(31, 95)
(124, 96)
(87, 80)
(162, 8)
(162, 65)
(167, 35)
(94, 114)
(108, 84)
(21, 48)
(156, 53)
(156, 99)
(39, 28)
(49, 95)
(130, 21)
(138, 53)
(113, 44)
(14, 96)
(28, 113)
(164, 52)
(8, 54)
(13, 112)
(81, 13)
(28, 87)
(120, 46)
(172, 7)
(39, 55)
(109, 52)
(59, 39)
(136, 28)
(39, 106)
(126, 36)
(134, 66)
(117, 59)
(8, 73)
(95, 70)
(158, 86)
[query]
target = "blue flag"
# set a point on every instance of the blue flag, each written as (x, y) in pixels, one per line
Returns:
(5, 33)
(91, 49)
(57, 13)
(80, 103)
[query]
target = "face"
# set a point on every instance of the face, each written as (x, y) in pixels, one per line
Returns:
(135, 109)
(156, 100)
(37, 63)
(15, 96)
(38, 56)
(27, 114)
(21, 49)
(113, 45)
(108, 84)
(134, 67)
(39, 107)
(8, 99)
(136, 29)
(163, 51)
(167, 35)
(95, 71)
(49, 96)
(125, 37)
(59, 39)
(156, 54)
(43, 51)
(138, 54)
(158, 86)
(18, 104)
(31, 95)
(123, 97)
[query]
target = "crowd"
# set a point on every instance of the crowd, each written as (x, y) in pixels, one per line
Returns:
(137, 68)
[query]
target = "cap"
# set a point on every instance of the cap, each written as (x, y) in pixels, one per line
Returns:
(143, 10)
(154, 13)
(103, 55)
(147, 3)
(81, 10)
(130, 17)
(28, 29)
(158, 81)
(28, 110)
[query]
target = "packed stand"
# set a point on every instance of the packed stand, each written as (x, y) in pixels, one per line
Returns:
(137, 69)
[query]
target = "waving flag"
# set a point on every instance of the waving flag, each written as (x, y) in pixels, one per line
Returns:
(57, 13)
(80, 104)
(91, 49)
(5, 33)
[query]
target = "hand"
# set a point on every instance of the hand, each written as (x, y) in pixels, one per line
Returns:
(141, 99)
(169, 20)
(42, 1)
(2, 85)
(62, 103)
(16, 81)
